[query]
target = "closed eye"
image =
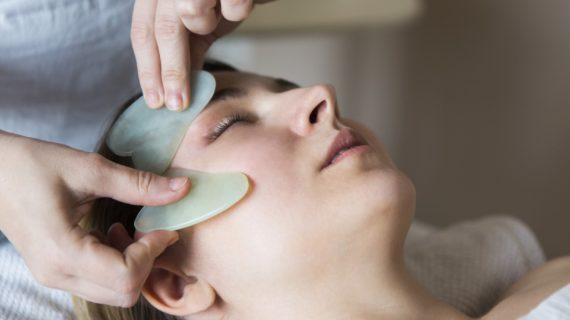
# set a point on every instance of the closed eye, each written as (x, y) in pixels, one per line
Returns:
(227, 122)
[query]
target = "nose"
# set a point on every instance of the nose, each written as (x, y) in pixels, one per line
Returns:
(316, 107)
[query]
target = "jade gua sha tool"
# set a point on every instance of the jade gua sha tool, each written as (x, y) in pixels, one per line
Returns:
(152, 137)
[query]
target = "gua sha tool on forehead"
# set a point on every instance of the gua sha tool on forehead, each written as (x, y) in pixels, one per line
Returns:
(151, 138)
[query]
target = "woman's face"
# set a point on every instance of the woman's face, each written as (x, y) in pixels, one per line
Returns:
(299, 220)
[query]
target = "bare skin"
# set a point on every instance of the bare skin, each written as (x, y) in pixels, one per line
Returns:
(532, 289)
(45, 190)
(305, 243)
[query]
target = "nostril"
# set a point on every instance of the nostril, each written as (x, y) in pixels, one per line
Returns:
(314, 116)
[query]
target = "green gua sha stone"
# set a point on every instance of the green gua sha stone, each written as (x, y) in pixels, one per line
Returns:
(210, 194)
(152, 137)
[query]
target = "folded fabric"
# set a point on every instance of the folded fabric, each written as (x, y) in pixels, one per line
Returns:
(470, 264)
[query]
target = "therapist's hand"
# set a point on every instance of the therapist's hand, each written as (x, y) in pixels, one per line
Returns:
(45, 190)
(170, 37)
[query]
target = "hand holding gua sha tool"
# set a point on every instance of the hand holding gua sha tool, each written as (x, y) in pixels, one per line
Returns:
(152, 137)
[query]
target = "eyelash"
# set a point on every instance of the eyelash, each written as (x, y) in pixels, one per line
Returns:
(227, 122)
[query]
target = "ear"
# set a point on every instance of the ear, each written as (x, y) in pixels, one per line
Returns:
(171, 291)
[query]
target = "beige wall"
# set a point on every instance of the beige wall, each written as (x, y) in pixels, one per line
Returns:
(472, 100)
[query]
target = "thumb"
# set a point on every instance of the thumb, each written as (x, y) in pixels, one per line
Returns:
(140, 255)
(132, 186)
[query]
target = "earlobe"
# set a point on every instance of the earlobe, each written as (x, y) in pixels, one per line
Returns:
(177, 294)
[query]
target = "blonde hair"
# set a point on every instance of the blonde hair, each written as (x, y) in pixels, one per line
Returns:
(104, 213)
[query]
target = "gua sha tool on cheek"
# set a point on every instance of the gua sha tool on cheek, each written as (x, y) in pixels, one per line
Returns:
(151, 138)
(210, 194)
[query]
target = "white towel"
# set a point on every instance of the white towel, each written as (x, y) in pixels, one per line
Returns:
(555, 307)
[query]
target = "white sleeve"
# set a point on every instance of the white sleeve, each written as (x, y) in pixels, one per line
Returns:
(65, 67)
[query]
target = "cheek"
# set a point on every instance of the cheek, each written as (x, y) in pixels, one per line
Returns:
(266, 157)
(248, 240)
(254, 234)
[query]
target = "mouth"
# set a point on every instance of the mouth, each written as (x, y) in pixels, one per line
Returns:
(346, 141)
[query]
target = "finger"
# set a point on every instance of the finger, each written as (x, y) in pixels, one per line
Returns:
(118, 237)
(91, 291)
(101, 177)
(199, 16)
(236, 10)
(146, 52)
(141, 254)
(99, 235)
(123, 273)
(172, 39)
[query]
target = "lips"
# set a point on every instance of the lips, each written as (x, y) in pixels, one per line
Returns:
(345, 140)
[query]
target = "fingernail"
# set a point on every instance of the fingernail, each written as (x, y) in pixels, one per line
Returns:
(152, 99)
(185, 101)
(174, 102)
(176, 184)
(114, 225)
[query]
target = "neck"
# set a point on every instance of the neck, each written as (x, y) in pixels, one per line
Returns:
(365, 292)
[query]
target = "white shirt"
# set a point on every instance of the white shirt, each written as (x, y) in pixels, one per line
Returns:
(65, 67)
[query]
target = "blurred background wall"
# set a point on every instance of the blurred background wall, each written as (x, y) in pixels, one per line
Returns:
(471, 98)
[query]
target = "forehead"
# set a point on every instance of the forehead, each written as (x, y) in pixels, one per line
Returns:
(246, 80)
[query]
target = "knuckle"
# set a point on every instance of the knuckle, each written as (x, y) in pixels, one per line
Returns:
(173, 75)
(168, 28)
(96, 164)
(44, 277)
(144, 181)
(95, 160)
(146, 252)
(141, 33)
(50, 273)
(128, 300)
(199, 8)
(127, 284)
(127, 289)
(147, 77)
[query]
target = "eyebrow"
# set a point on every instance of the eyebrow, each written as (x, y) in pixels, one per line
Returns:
(284, 85)
(232, 93)
(228, 94)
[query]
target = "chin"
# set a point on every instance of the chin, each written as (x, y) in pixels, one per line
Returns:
(387, 202)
